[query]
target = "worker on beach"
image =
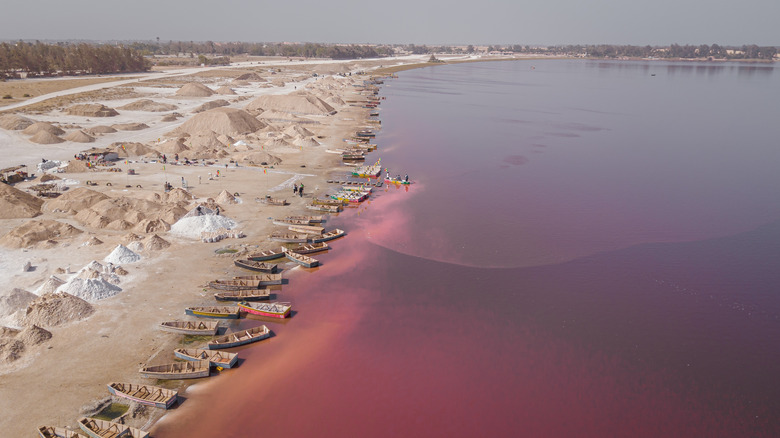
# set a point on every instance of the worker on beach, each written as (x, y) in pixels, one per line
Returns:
(300, 190)
(406, 178)
(295, 188)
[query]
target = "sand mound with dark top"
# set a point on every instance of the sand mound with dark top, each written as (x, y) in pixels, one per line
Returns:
(149, 105)
(38, 231)
(131, 149)
(48, 177)
(53, 309)
(15, 203)
(194, 89)
(38, 127)
(156, 243)
(44, 137)
(100, 129)
(73, 201)
(226, 197)
(251, 77)
(225, 90)
(91, 110)
(79, 137)
(130, 126)
(227, 121)
(15, 122)
(170, 117)
(211, 105)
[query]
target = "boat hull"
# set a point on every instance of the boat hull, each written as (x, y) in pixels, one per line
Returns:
(225, 341)
(207, 331)
(327, 237)
(163, 404)
(206, 314)
(265, 267)
(267, 314)
(264, 257)
(215, 363)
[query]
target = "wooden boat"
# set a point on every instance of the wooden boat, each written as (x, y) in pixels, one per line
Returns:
(308, 229)
(288, 221)
(397, 181)
(177, 370)
(256, 266)
(213, 312)
(242, 337)
(58, 432)
(144, 394)
(287, 237)
(271, 201)
(365, 133)
(353, 156)
(310, 219)
(243, 295)
(271, 310)
(303, 260)
(326, 202)
(310, 248)
(265, 254)
(218, 359)
(330, 235)
(325, 208)
(108, 429)
(262, 279)
(362, 188)
(195, 328)
(372, 171)
(233, 285)
(351, 197)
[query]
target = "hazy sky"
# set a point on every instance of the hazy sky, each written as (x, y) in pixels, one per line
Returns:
(639, 22)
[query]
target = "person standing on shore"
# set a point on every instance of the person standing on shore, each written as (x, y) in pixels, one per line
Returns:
(300, 190)
(295, 189)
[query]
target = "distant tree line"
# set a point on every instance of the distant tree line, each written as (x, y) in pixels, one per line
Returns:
(302, 50)
(39, 59)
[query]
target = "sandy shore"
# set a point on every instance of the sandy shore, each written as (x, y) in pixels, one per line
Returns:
(61, 379)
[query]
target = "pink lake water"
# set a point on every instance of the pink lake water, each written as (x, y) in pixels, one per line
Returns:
(588, 250)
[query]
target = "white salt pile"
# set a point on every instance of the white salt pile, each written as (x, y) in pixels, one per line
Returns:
(193, 226)
(90, 285)
(135, 246)
(122, 255)
(49, 286)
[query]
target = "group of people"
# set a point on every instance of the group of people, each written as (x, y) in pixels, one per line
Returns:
(298, 189)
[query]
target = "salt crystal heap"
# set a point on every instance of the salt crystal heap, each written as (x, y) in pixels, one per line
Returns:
(193, 226)
(92, 284)
(122, 255)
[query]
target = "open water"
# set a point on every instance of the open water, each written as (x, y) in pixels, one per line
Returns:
(589, 249)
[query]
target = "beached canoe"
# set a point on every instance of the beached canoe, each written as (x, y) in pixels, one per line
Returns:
(311, 219)
(397, 181)
(177, 370)
(214, 312)
(288, 237)
(308, 229)
(303, 260)
(243, 295)
(288, 221)
(325, 208)
(261, 279)
(271, 310)
(271, 201)
(310, 248)
(241, 337)
(220, 359)
(332, 202)
(233, 285)
(256, 266)
(108, 429)
(144, 394)
(329, 235)
(195, 328)
(58, 432)
(266, 254)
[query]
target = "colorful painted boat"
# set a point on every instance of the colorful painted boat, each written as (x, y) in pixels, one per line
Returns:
(351, 197)
(256, 266)
(310, 248)
(233, 285)
(265, 254)
(58, 432)
(329, 235)
(288, 237)
(194, 328)
(271, 310)
(303, 260)
(397, 181)
(308, 229)
(177, 370)
(108, 429)
(262, 279)
(144, 394)
(243, 295)
(219, 359)
(242, 337)
(214, 312)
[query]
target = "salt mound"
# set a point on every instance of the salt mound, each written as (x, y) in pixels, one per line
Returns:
(193, 226)
(120, 271)
(227, 121)
(136, 246)
(37, 127)
(15, 203)
(15, 122)
(277, 116)
(336, 101)
(13, 300)
(44, 137)
(178, 195)
(148, 105)
(156, 243)
(101, 129)
(152, 226)
(170, 147)
(49, 286)
(132, 149)
(93, 241)
(170, 117)
(130, 126)
(253, 77)
(91, 110)
(295, 130)
(122, 255)
(79, 137)
(53, 309)
(305, 142)
(90, 289)
(225, 90)
(293, 103)
(33, 232)
(211, 105)
(74, 201)
(194, 89)
(33, 335)
(226, 197)
(48, 177)
(257, 158)
(131, 237)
